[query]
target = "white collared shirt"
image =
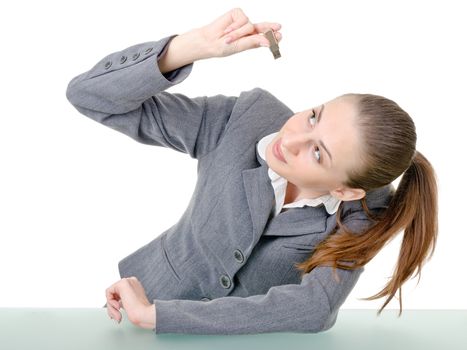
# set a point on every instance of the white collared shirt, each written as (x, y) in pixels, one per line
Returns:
(279, 184)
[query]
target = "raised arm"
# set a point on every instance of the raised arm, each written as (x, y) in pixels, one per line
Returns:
(125, 89)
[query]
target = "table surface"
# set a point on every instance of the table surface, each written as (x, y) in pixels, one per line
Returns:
(91, 328)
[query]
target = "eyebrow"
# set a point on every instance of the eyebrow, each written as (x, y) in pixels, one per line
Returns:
(321, 142)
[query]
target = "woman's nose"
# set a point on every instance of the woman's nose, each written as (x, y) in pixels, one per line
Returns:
(295, 141)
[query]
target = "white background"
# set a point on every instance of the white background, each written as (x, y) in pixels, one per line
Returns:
(76, 197)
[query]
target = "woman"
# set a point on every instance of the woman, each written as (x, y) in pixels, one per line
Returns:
(288, 207)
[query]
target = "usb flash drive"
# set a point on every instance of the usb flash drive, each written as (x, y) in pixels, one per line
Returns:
(273, 45)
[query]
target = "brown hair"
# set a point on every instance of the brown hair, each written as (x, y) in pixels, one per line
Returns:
(389, 149)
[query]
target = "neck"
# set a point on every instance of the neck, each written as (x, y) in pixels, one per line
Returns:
(293, 194)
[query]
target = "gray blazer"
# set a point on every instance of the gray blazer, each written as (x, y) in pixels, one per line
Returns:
(226, 267)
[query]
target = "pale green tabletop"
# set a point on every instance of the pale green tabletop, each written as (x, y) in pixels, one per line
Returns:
(79, 328)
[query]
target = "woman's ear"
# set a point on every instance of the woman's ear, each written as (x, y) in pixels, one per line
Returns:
(348, 194)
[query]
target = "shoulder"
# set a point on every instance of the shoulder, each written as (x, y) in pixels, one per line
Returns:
(259, 94)
(263, 105)
(255, 93)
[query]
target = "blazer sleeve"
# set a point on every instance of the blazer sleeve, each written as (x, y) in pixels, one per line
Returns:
(125, 91)
(309, 307)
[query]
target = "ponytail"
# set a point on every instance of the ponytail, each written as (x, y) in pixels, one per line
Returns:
(413, 208)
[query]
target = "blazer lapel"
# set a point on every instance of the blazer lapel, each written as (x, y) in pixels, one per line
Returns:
(260, 196)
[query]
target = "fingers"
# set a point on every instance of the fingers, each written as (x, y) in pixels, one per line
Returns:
(251, 35)
(247, 28)
(233, 32)
(238, 19)
(278, 36)
(113, 302)
(241, 34)
(114, 294)
(113, 311)
(250, 28)
(265, 26)
(249, 42)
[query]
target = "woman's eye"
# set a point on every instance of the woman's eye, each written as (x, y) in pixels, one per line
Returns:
(317, 152)
(313, 117)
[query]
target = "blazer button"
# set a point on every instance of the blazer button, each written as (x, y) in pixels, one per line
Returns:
(148, 50)
(135, 56)
(205, 299)
(108, 64)
(122, 59)
(225, 281)
(239, 256)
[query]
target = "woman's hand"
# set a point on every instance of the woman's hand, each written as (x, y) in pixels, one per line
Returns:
(233, 32)
(129, 294)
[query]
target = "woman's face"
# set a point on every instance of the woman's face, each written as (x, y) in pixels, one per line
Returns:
(319, 146)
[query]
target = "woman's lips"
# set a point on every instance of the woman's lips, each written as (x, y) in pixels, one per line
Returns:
(277, 151)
